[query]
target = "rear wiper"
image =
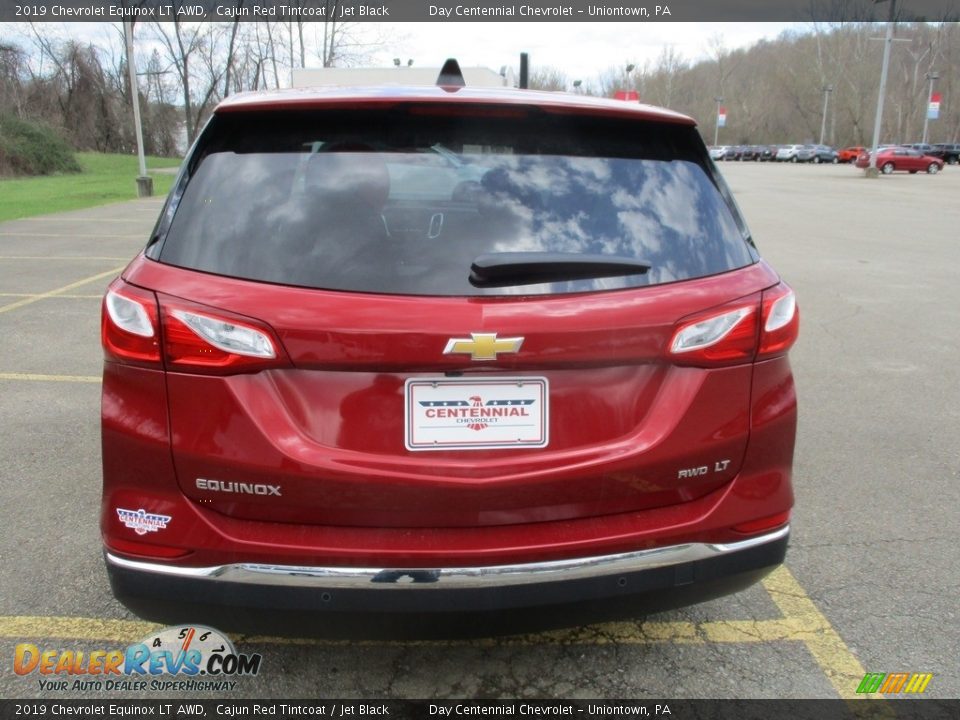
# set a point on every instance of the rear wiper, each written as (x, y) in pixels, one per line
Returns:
(526, 268)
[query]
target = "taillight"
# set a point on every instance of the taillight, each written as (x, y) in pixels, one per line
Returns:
(201, 339)
(781, 321)
(723, 336)
(129, 325)
(137, 329)
(757, 327)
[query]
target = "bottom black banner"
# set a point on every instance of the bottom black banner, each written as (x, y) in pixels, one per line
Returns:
(913, 709)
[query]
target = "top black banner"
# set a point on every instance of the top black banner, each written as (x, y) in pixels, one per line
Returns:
(480, 10)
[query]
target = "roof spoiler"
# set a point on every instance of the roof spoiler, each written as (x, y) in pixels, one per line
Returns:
(451, 75)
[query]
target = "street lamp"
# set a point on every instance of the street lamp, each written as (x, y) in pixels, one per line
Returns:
(931, 76)
(716, 120)
(144, 181)
(827, 89)
(871, 170)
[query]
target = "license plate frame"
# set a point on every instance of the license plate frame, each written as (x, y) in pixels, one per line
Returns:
(463, 413)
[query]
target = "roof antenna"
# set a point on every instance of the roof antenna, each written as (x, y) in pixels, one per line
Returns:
(450, 74)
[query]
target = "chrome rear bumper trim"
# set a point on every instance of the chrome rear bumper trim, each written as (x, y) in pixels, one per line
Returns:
(447, 578)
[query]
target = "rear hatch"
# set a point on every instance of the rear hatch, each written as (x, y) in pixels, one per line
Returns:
(472, 314)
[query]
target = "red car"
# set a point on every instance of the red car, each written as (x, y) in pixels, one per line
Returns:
(902, 158)
(850, 154)
(341, 396)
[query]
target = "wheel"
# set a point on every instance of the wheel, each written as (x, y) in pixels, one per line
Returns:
(816, 159)
(835, 160)
(933, 168)
(887, 168)
(793, 159)
(953, 160)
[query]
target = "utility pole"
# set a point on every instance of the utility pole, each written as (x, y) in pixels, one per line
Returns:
(144, 181)
(827, 89)
(871, 171)
(716, 120)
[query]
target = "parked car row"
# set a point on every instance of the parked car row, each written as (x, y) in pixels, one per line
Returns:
(778, 153)
(762, 153)
(909, 158)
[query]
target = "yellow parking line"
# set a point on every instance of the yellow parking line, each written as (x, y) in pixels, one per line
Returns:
(34, 377)
(65, 288)
(75, 628)
(831, 653)
(125, 631)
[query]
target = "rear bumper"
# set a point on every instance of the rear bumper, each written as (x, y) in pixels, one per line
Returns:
(429, 602)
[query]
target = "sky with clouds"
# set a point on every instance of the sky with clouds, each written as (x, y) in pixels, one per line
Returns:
(580, 50)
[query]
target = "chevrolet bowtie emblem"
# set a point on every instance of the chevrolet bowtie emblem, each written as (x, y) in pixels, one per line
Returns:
(482, 346)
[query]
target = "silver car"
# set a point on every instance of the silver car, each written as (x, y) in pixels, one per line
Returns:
(788, 153)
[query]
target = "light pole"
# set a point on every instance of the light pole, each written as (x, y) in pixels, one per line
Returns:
(716, 120)
(871, 171)
(827, 89)
(144, 181)
(931, 76)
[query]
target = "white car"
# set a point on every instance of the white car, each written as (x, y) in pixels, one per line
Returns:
(717, 153)
(788, 153)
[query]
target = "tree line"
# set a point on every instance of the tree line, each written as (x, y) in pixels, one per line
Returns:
(184, 69)
(773, 91)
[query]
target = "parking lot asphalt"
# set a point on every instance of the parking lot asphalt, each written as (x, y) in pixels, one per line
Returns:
(871, 578)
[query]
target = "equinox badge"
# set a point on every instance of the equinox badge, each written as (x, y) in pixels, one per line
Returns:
(482, 346)
(238, 487)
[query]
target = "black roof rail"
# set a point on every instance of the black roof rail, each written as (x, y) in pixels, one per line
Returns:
(451, 75)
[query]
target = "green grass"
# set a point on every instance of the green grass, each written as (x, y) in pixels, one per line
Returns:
(104, 179)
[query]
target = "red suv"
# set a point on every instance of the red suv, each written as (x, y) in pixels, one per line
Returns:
(376, 391)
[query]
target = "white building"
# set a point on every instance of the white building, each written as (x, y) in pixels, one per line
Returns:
(355, 77)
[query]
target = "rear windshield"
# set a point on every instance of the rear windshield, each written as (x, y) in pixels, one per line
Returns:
(406, 200)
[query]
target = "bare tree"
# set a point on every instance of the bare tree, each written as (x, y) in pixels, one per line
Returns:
(192, 49)
(12, 77)
(547, 78)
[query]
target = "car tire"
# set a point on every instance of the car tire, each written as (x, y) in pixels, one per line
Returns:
(933, 169)
(836, 160)
(887, 168)
(953, 160)
(793, 159)
(816, 159)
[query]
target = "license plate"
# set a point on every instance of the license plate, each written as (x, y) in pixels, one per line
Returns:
(476, 414)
